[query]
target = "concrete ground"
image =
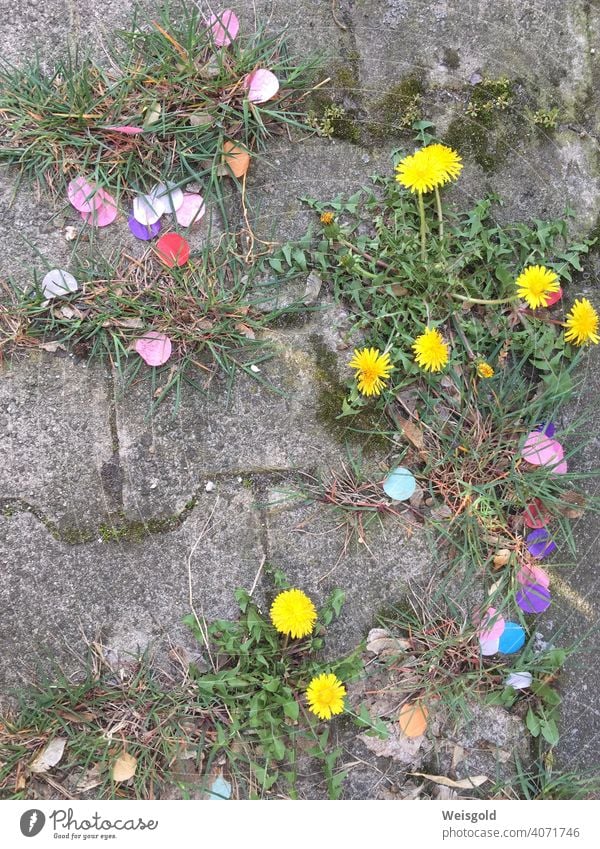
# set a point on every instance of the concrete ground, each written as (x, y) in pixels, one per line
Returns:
(75, 454)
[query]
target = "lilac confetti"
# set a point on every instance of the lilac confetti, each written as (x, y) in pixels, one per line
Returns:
(540, 544)
(143, 231)
(533, 598)
(549, 428)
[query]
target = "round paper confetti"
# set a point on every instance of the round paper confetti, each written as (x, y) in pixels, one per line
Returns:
(491, 625)
(553, 298)
(512, 639)
(141, 231)
(540, 543)
(533, 598)
(560, 468)
(533, 575)
(519, 680)
(236, 158)
(105, 213)
(223, 27)
(169, 194)
(413, 719)
(58, 283)
(400, 484)
(148, 210)
(173, 249)
(154, 348)
(191, 210)
(540, 450)
(489, 647)
(535, 514)
(262, 85)
(82, 195)
(549, 428)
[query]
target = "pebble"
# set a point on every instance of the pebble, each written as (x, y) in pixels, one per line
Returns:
(210, 486)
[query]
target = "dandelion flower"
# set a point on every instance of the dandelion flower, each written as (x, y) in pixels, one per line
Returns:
(535, 284)
(431, 352)
(325, 695)
(372, 370)
(582, 323)
(428, 168)
(293, 613)
(485, 370)
(327, 218)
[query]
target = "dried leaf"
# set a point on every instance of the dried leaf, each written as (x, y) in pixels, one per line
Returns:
(441, 512)
(577, 500)
(379, 640)
(202, 119)
(52, 347)
(91, 778)
(501, 558)
(312, 288)
(49, 756)
(396, 746)
(245, 331)
(412, 432)
(124, 767)
(236, 159)
(463, 784)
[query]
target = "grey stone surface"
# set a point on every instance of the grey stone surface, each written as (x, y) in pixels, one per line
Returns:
(56, 449)
(61, 455)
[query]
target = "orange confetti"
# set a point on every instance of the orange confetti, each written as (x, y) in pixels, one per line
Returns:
(236, 158)
(413, 719)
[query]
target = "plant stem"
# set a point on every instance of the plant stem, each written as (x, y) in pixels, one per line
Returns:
(423, 227)
(481, 300)
(438, 204)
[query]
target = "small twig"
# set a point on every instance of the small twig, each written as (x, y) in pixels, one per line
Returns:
(258, 574)
(335, 17)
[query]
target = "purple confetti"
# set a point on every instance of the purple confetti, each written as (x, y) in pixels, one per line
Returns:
(143, 231)
(533, 598)
(540, 544)
(549, 428)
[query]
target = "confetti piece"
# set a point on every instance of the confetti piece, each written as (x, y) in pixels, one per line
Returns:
(82, 195)
(541, 450)
(533, 575)
(126, 130)
(540, 544)
(105, 213)
(551, 299)
(169, 194)
(519, 680)
(549, 428)
(489, 647)
(236, 158)
(412, 719)
(533, 598)
(560, 468)
(262, 85)
(223, 27)
(191, 210)
(143, 231)
(173, 250)
(512, 639)
(154, 348)
(535, 514)
(57, 283)
(400, 484)
(491, 625)
(148, 210)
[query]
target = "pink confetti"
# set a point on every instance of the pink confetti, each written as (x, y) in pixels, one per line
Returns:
(83, 195)
(154, 348)
(105, 213)
(560, 468)
(491, 626)
(540, 450)
(191, 210)
(553, 297)
(489, 647)
(126, 130)
(223, 27)
(533, 575)
(262, 85)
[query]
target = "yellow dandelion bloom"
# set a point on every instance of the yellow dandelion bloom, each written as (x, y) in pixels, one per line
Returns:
(327, 218)
(535, 284)
(485, 370)
(325, 696)
(582, 323)
(293, 613)
(372, 370)
(431, 352)
(428, 168)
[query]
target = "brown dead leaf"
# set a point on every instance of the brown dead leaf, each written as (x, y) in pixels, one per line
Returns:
(124, 767)
(52, 347)
(462, 784)
(245, 331)
(91, 778)
(49, 756)
(379, 640)
(412, 432)
(501, 558)
(577, 508)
